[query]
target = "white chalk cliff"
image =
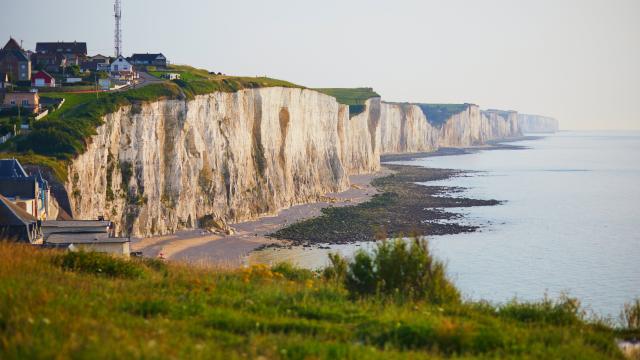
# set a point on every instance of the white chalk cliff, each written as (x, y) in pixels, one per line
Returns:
(537, 124)
(158, 167)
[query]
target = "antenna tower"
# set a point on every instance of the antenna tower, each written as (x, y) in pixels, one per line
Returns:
(117, 8)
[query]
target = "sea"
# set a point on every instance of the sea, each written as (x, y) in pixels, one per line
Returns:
(569, 223)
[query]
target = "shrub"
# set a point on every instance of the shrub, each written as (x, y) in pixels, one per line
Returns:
(361, 277)
(98, 264)
(337, 271)
(630, 315)
(401, 271)
(563, 311)
(290, 272)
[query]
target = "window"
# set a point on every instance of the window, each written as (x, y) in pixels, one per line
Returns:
(25, 102)
(13, 102)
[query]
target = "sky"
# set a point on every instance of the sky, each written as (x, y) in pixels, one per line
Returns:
(575, 60)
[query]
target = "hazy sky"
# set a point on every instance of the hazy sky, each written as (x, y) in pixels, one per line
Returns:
(576, 60)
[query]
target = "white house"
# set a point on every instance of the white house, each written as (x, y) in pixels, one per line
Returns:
(121, 65)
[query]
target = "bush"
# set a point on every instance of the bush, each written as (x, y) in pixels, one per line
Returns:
(563, 311)
(290, 272)
(630, 315)
(98, 264)
(401, 271)
(337, 271)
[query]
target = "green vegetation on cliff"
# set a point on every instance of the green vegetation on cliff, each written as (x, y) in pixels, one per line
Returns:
(356, 98)
(85, 305)
(437, 114)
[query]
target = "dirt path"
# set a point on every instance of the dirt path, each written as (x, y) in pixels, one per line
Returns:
(201, 248)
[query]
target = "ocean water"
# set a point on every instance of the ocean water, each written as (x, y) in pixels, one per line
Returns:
(570, 222)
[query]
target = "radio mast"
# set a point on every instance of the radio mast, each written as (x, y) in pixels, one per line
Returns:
(118, 32)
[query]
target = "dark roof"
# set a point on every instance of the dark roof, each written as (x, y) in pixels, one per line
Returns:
(12, 215)
(12, 44)
(16, 53)
(11, 168)
(86, 238)
(25, 188)
(145, 57)
(62, 47)
(74, 225)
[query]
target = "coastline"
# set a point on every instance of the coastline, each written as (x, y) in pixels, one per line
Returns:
(424, 215)
(207, 249)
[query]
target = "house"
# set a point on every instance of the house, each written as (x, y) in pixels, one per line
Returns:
(122, 70)
(52, 55)
(16, 224)
(29, 193)
(89, 235)
(121, 64)
(43, 79)
(157, 60)
(15, 62)
(100, 59)
(29, 100)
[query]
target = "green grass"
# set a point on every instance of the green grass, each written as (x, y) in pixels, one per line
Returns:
(438, 114)
(347, 96)
(51, 308)
(356, 98)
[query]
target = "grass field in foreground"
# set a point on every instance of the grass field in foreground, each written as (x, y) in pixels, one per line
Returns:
(106, 308)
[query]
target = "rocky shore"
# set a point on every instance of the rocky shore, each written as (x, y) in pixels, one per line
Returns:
(402, 206)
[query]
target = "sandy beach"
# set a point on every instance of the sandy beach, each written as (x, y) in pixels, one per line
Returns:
(206, 249)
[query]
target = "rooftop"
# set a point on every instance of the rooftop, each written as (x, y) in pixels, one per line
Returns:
(12, 215)
(62, 47)
(11, 168)
(83, 238)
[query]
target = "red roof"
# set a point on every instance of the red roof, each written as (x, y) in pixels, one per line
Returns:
(42, 75)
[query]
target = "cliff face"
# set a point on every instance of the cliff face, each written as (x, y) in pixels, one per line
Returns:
(405, 128)
(537, 124)
(162, 166)
(158, 167)
(500, 124)
(360, 138)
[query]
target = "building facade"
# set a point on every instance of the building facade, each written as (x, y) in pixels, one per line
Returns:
(43, 79)
(29, 193)
(28, 100)
(15, 62)
(157, 60)
(51, 56)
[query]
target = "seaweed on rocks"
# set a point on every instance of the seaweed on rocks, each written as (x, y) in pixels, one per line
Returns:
(403, 206)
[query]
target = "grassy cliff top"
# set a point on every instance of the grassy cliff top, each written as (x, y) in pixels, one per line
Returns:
(350, 96)
(83, 305)
(437, 114)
